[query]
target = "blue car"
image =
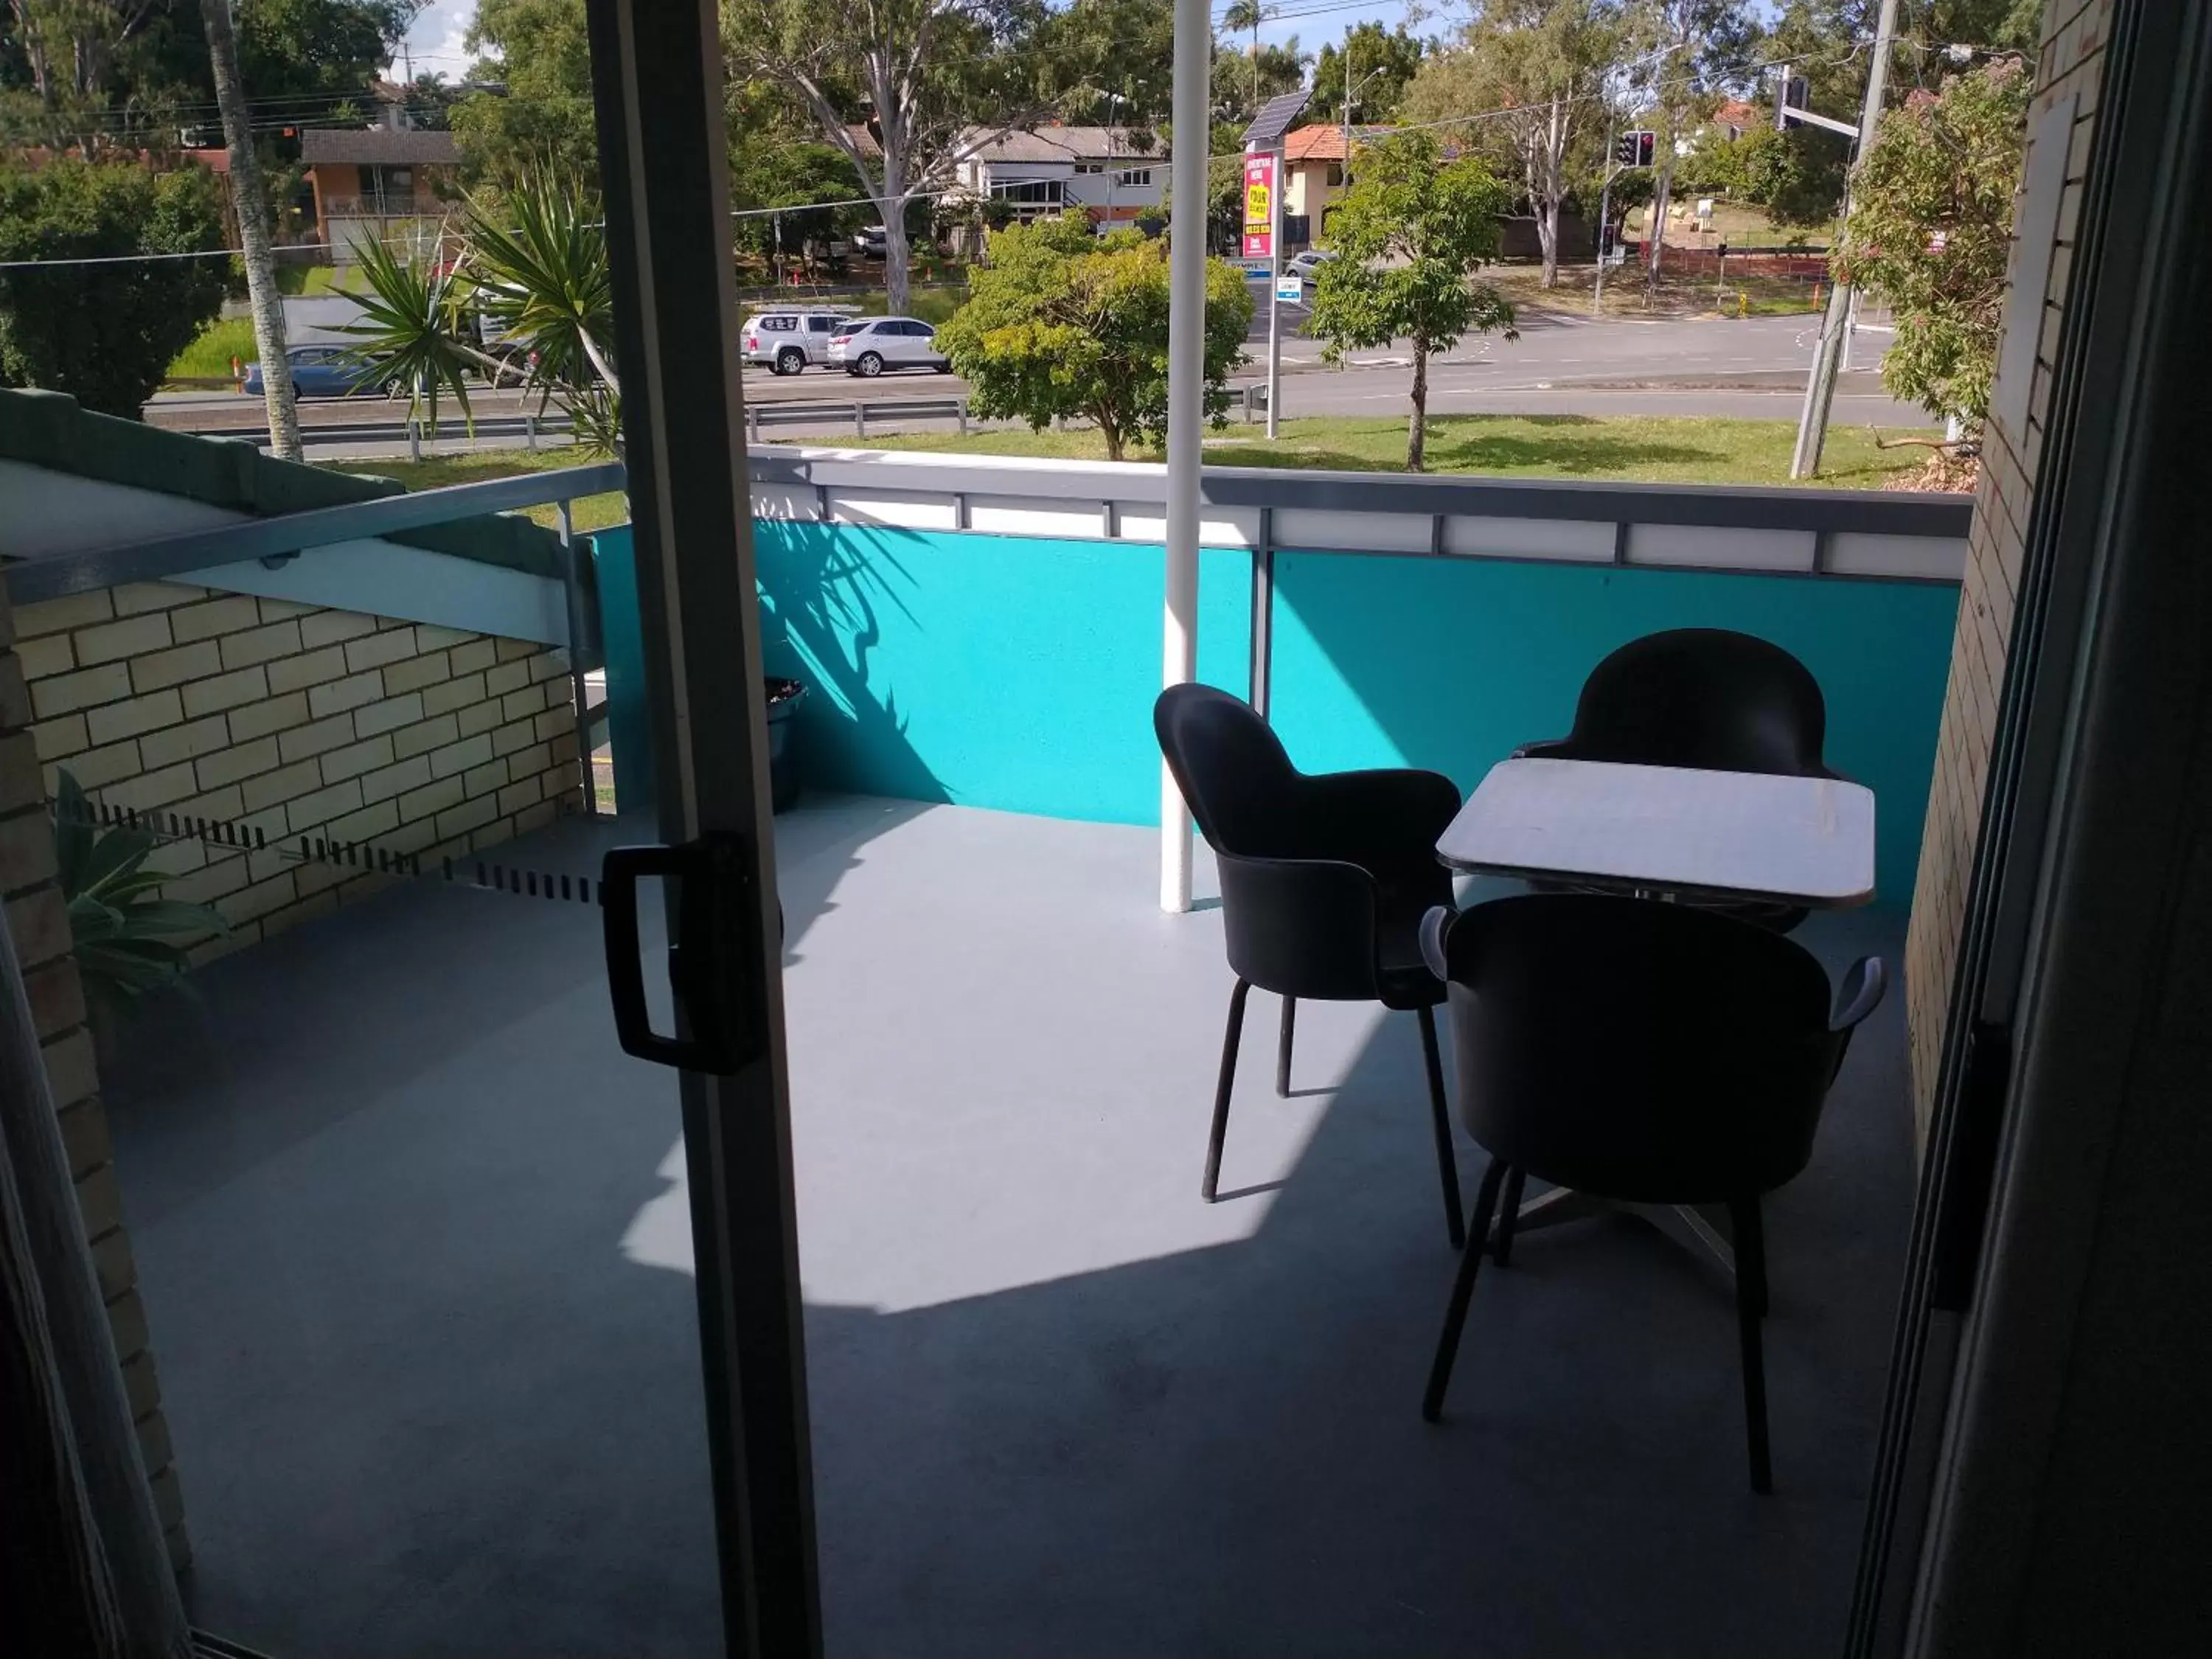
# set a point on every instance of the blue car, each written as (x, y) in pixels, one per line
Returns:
(324, 372)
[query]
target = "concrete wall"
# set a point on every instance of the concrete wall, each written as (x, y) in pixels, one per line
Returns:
(2070, 63)
(37, 922)
(294, 720)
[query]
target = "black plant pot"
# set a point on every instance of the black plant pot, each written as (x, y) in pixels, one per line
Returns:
(784, 697)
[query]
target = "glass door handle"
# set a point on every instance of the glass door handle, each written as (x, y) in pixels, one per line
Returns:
(717, 1016)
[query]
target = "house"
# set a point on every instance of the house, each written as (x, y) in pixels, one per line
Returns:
(373, 182)
(1733, 118)
(1313, 178)
(1116, 174)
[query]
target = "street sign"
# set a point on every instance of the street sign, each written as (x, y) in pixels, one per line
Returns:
(1255, 271)
(1290, 290)
(1259, 204)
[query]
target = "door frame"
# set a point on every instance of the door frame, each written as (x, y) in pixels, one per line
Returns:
(1952, 1501)
(657, 86)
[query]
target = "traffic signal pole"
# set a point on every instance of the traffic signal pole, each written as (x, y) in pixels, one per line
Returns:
(1828, 356)
(1604, 210)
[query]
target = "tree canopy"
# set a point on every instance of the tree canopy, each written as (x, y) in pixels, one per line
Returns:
(1929, 231)
(1061, 322)
(105, 334)
(1409, 236)
(1384, 64)
(541, 122)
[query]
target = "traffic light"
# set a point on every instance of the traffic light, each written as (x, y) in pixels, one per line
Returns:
(1636, 150)
(1792, 92)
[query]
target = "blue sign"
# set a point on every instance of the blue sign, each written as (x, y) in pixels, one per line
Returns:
(1290, 290)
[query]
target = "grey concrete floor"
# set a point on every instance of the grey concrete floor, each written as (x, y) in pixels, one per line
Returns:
(412, 1238)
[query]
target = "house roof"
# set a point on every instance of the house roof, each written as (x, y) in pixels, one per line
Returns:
(377, 146)
(1066, 145)
(1738, 115)
(864, 141)
(48, 430)
(1323, 143)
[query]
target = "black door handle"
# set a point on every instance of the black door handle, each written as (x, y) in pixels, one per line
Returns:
(718, 1017)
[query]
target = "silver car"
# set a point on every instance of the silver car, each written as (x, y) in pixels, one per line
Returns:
(869, 345)
(788, 341)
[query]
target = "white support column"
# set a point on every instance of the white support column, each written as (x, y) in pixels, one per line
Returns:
(1193, 53)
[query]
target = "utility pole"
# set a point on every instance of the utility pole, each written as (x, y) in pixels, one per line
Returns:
(1604, 208)
(1275, 299)
(251, 204)
(1828, 356)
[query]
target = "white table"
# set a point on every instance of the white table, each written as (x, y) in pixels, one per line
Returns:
(1670, 832)
(1667, 829)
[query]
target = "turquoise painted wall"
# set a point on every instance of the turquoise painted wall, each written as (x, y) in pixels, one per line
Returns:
(629, 719)
(988, 671)
(1019, 673)
(1452, 663)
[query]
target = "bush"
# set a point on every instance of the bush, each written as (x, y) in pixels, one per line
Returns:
(105, 334)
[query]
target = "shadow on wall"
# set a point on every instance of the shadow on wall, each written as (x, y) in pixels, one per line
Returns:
(1005, 672)
(1452, 664)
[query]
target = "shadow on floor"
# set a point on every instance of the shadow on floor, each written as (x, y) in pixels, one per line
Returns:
(406, 1221)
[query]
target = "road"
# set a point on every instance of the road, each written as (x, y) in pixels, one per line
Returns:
(1753, 369)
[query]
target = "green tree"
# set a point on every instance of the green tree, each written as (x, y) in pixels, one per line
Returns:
(1061, 322)
(1383, 62)
(1687, 54)
(905, 89)
(1796, 175)
(541, 120)
(1409, 236)
(1243, 15)
(1542, 63)
(105, 334)
(1930, 228)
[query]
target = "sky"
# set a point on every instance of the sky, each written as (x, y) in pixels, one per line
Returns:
(435, 36)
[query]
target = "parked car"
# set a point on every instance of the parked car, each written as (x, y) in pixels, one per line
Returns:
(1307, 266)
(869, 345)
(323, 371)
(786, 341)
(869, 243)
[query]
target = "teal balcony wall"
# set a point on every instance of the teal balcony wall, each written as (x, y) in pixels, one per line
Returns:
(1019, 672)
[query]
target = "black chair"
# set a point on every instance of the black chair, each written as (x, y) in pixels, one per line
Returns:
(1645, 1053)
(1324, 881)
(1707, 698)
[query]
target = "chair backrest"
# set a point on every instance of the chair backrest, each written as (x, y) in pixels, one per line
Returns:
(1702, 697)
(1637, 1051)
(1231, 768)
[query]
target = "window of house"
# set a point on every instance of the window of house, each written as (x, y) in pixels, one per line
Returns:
(1335, 174)
(1138, 176)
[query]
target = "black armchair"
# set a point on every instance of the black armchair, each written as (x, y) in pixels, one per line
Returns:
(1324, 881)
(1643, 1053)
(1707, 698)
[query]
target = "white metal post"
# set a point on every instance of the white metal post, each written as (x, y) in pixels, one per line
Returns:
(1194, 53)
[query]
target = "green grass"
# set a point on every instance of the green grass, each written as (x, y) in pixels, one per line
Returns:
(209, 357)
(1651, 449)
(475, 466)
(1676, 296)
(310, 280)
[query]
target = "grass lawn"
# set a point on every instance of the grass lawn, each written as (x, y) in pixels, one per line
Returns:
(474, 466)
(308, 281)
(209, 357)
(1677, 296)
(1651, 449)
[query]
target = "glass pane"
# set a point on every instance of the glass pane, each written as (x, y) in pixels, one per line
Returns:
(395, 1231)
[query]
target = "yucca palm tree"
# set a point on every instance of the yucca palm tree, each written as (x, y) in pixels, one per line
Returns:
(533, 262)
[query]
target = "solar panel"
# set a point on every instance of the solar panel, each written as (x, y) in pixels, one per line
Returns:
(1275, 118)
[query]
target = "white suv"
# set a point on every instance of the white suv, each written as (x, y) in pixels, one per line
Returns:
(869, 345)
(786, 341)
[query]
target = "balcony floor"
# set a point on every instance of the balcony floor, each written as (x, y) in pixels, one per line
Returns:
(413, 1245)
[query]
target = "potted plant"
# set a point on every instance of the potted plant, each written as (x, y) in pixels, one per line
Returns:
(784, 697)
(128, 940)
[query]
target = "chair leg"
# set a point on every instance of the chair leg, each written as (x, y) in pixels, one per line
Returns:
(1470, 1263)
(1440, 1120)
(1283, 1046)
(1222, 1087)
(1509, 1209)
(1750, 1303)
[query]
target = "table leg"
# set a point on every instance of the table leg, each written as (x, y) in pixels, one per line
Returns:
(1688, 1226)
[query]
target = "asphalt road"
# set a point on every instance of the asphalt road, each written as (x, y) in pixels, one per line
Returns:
(1753, 368)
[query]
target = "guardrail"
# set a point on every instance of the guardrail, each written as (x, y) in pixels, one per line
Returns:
(532, 428)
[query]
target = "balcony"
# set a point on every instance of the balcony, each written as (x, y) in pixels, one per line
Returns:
(414, 1232)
